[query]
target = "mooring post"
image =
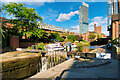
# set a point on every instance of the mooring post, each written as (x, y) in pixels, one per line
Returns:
(54, 59)
(59, 58)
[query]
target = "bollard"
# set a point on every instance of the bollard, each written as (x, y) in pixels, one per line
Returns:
(54, 59)
(51, 61)
(48, 61)
(59, 58)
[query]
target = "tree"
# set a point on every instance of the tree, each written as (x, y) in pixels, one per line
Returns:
(71, 38)
(102, 34)
(56, 36)
(39, 35)
(98, 36)
(78, 38)
(25, 18)
(92, 36)
(60, 39)
(53, 35)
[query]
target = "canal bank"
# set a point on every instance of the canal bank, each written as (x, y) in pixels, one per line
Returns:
(82, 68)
(22, 64)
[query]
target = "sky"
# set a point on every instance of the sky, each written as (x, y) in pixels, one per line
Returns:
(66, 14)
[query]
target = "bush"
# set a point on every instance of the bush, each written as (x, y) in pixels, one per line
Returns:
(84, 41)
(71, 38)
(29, 47)
(40, 46)
(79, 44)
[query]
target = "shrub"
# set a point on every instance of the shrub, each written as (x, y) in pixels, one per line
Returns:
(29, 47)
(40, 46)
(84, 41)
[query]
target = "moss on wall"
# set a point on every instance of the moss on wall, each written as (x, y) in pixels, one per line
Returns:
(20, 67)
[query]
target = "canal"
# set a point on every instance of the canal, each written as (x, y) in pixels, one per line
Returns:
(84, 49)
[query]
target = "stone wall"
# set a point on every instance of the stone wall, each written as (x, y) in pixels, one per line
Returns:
(25, 66)
(20, 67)
(116, 52)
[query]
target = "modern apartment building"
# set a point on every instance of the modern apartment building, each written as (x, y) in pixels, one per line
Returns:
(114, 18)
(83, 18)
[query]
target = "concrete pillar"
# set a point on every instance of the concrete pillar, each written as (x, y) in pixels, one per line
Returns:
(113, 30)
(117, 29)
(14, 42)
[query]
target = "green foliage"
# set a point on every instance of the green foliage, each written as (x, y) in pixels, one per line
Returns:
(71, 38)
(60, 39)
(102, 34)
(53, 35)
(5, 40)
(76, 37)
(56, 36)
(99, 36)
(115, 41)
(25, 18)
(92, 36)
(84, 41)
(79, 44)
(83, 44)
(40, 46)
(1, 32)
(29, 47)
(36, 33)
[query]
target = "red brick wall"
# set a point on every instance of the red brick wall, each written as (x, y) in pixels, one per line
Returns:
(14, 42)
(97, 29)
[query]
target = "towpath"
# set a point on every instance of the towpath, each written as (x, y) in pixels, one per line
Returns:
(82, 68)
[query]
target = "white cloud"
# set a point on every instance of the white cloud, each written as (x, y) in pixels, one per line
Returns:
(99, 21)
(28, 1)
(106, 33)
(36, 3)
(75, 28)
(64, 16)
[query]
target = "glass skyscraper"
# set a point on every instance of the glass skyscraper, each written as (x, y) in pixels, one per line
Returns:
(83, 18)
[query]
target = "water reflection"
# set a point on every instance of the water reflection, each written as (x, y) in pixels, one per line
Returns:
(84, 49)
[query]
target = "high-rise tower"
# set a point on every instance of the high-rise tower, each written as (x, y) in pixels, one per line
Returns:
(83, 18)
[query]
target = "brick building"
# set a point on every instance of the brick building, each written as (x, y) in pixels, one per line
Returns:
(97, 29)
(86, 35)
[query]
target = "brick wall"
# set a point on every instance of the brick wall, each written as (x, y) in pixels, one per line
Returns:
(14, 42)
(97, 29)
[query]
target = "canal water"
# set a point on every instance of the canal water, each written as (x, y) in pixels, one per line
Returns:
(84, 49)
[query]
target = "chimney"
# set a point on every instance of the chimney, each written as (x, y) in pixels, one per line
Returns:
(94, 25)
